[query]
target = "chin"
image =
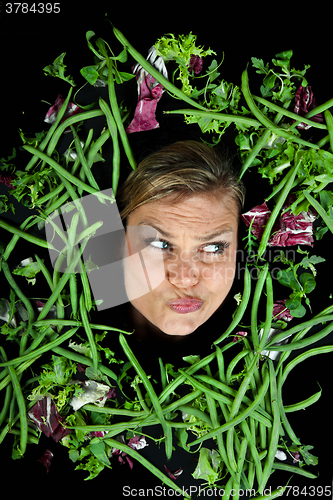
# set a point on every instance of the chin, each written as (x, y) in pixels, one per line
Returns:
(180, 330)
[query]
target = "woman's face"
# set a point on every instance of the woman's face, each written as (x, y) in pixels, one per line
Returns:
(190, 247)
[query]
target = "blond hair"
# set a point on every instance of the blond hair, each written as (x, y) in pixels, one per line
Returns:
(181, 169)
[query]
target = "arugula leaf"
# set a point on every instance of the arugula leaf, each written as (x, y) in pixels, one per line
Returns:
(58, 68)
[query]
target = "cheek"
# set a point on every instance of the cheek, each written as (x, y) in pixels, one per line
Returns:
(143, 274)
(219, 275)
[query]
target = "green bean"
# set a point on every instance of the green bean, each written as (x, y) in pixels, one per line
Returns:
(243, 388)
(78, 358)
(62, 282)
(263, 417)
(53, 127)
(275, 429)
(45, 271)
(303, 404)
(241, 308)
(67, 175)
(263, 118)
(117, 116)
(293, 470)
(83, 160)
(74, 295)
(182, 401)
(274, 494)
(201, 415)
(269, 311)
(223, 117)
(276, 210)
(255, 305)
(18, 291)
(251, 438)
(38, 352)
(233, 363)
(240, 465)
(114, 411)
(172, 386)
(149, 388)
(96, 146)
(299, 344)
(302, 357)
(9, 392)
(154, 72)
(237, 419)
(164, 382)
(20, 369)
(319, 109)
(321, 318)
(137, 456)
(288, 113)
(115, 144)
(260, 144)
(21, 408)
(88, 330)
(321, 211)
(85, 115)
(329, 123)
(26, 236)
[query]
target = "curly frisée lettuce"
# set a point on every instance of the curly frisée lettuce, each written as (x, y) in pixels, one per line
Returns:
(184, 51)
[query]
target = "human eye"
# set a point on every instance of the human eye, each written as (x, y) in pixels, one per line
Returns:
(216, 248)
(158, 244)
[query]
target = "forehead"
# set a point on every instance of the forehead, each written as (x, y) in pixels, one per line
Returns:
(198, 212)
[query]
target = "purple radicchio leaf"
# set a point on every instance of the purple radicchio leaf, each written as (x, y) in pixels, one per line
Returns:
(7, 180)
(149, 94)
(173, 475)
(288, 230)
(72, 109)
(46, 459)
(196, 64)
(305, 102)
(47, 418)
(280, 311)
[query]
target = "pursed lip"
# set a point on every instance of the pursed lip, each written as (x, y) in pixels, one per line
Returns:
(185, 305)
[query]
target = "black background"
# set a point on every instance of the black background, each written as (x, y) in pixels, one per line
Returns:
(28, 42)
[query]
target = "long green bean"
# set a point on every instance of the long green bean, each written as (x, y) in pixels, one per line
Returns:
(88, 330)
(155, 73)
(38, 352)
(222, 117)
(26, 236)
(255, 306)
(317, 206)
(117, 116)
(265, 121)
(301, 357)
(288, 113)
(115, 144)
(67, 175)
(149, 388)
(52, 129)
(269, 311)
(237, 419)
(83, 161)
(21, 408)
(276, 210)
(134, 454)
(275, 429)
(241, 308)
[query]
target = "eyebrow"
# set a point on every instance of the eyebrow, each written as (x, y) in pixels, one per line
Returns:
(205, 237)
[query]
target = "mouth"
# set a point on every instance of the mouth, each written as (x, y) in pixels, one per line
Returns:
(185, 305)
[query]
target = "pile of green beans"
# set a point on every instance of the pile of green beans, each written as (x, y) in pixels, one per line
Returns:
(241, 405)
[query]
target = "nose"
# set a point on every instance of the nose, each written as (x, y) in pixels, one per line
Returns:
(182, 274)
